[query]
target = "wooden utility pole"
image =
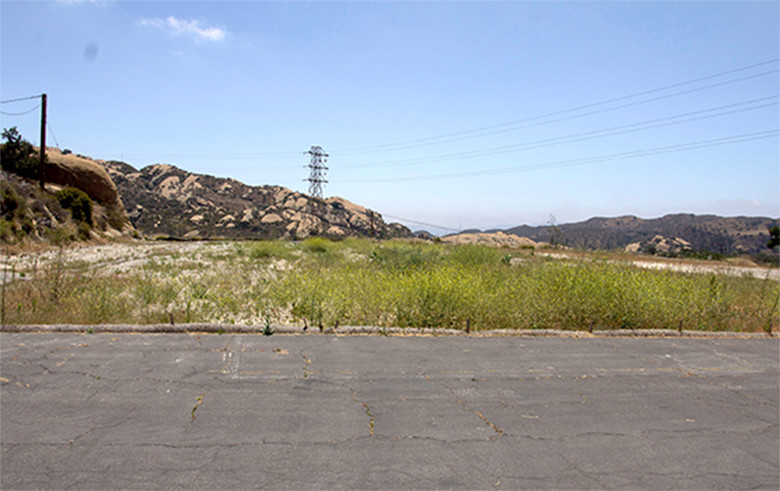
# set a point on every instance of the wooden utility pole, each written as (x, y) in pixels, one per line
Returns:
(42, 162)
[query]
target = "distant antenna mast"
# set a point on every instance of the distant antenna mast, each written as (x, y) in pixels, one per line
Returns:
(318, 169)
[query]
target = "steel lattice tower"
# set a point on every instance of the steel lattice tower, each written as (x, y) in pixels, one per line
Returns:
(318, 169)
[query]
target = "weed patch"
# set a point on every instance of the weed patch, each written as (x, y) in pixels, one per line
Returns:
(390, 284)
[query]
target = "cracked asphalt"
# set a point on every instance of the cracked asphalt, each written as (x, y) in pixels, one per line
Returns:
(129, 411)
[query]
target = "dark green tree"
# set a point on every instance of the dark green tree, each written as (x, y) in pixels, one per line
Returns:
(17, 155)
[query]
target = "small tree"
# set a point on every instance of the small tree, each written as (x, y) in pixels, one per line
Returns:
(17, 154)
(556, 237)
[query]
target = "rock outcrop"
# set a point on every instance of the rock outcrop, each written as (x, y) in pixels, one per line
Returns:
(495, 239)
(83, 173)
(163, 200)
(66, 169)
(660, 245)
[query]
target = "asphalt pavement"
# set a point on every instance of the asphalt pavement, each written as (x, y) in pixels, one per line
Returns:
(208, 411)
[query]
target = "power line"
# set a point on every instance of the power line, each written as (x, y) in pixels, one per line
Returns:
(591, 113)
(587, 160)
(52, 134)
(8, 101)
(432, 140)
(442, 227)
(21, 113)
(576, 137)
(493, 151)
(236, 155)
(481, 131)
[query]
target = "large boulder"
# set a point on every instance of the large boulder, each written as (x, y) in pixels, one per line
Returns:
(66, 169)
(82, 173)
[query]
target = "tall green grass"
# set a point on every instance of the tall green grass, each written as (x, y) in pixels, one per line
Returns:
(396, 283)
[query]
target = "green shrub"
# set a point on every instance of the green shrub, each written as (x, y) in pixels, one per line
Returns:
(12, 203)
(77, 201)
(402, 255)
(472, 255)
(115, 217)
(17, 155)
(8, 230)
(317, 245)
(268, 249)
(16, 222)
(83, 231)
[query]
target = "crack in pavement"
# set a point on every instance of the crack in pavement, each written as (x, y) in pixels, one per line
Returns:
(306, 363)
(495, 428)
(581, 472)
(198, 403)
(307, 359)
(641, 433)
(105, 427)
(368, 413)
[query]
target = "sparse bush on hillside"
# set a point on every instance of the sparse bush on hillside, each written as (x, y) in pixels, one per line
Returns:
(12, 203)
(115, 217)
(18, 155)
(15, 221)
(79, 204)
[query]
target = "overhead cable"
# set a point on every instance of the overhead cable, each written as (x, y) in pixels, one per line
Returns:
(442, 227)
(52, 134)
(578, 137)
(588, 160)
(21, 113)
(8, 101)
(441, 140)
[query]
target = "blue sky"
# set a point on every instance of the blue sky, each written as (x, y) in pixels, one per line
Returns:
(459, 114)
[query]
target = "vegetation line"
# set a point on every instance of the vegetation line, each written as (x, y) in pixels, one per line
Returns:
(386, 285)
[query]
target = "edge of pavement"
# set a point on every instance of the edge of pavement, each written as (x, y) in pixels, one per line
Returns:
(366, 330)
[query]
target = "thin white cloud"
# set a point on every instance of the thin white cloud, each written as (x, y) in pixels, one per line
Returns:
(183, 27)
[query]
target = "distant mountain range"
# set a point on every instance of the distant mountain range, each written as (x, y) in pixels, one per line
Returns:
(163, 200)
(725, 235)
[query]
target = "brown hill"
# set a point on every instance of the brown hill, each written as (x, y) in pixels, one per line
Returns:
(29, 212)
(724, 235)
(164, 200)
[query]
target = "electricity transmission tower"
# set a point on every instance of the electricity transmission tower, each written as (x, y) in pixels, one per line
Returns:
(318, 169)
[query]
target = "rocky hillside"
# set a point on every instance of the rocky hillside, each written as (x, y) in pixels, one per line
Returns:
(163, 200)
(724, 235)
(31, 213)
